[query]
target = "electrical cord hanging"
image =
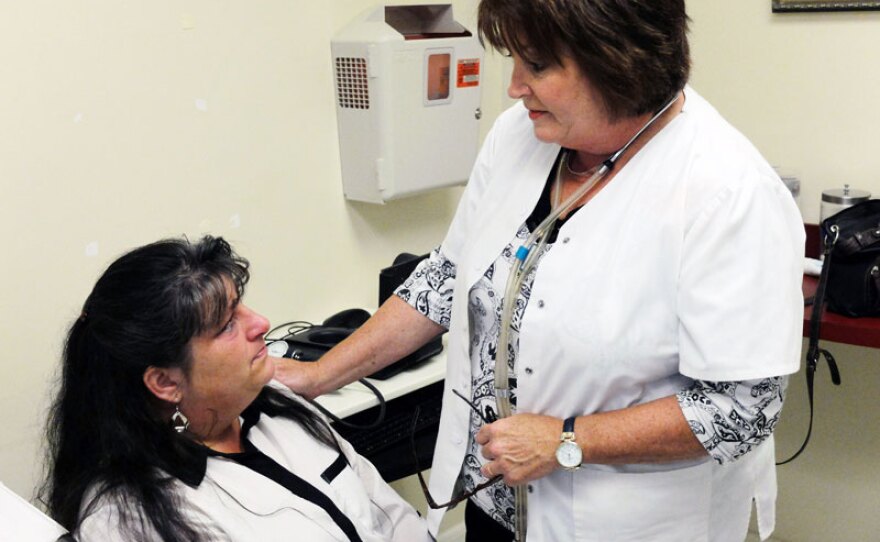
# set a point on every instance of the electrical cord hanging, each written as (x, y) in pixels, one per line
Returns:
(380, 417)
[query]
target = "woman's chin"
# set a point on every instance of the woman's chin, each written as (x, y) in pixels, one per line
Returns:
(264, 368)
(545, 135)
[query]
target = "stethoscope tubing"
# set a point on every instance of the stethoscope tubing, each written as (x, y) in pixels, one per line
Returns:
(526, 258)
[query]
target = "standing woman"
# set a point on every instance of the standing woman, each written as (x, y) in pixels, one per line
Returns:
(646, 333)
(166, 427)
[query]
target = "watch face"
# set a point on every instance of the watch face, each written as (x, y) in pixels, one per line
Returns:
(277, 348)
(569, 455)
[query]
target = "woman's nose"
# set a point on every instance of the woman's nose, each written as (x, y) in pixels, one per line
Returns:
(258, 324)
(517, 87)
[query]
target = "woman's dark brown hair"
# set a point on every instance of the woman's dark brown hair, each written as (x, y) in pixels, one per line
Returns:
(635, 52)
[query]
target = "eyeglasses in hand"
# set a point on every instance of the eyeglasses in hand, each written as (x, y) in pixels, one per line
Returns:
(466, 495)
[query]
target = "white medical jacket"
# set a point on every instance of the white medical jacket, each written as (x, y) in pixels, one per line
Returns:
(687, 265)
(235, 504)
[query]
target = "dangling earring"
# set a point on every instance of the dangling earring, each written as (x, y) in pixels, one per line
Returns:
(179, 422)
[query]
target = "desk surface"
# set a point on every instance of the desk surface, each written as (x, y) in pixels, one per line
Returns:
(356, 397)
(839, 328)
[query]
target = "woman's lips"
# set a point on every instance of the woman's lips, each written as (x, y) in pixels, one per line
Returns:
(260, 354)
(536, 114)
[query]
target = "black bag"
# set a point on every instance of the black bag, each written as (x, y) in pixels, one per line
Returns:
(852, 241)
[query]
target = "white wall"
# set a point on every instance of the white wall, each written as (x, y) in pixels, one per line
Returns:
(123, 122)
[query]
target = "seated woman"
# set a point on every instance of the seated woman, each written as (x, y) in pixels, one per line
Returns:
(168, 427)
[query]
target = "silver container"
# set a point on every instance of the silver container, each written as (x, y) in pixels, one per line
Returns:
(835, 200)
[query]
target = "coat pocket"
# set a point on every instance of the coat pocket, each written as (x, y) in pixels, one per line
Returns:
(672, 505)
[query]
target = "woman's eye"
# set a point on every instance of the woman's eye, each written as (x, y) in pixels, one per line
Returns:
(229, 326)
(536, 67)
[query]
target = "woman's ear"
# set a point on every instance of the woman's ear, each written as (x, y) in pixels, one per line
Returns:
(166, 383)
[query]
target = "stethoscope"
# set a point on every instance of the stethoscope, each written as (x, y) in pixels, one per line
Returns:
(526, 259)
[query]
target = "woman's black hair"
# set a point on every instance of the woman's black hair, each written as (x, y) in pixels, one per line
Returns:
(106, 438)
(634, 52)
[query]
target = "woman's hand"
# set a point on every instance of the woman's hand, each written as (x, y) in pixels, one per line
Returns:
(522, 447)
(393, 332)
(300, 376)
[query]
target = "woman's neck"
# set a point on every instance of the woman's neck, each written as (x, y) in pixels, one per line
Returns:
(583, 160)
(227, 440)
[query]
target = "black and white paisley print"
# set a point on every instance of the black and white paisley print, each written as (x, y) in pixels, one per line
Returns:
(731, 418)
(429, 288)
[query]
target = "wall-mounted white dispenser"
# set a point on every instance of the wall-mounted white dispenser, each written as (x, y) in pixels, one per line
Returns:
(407, 101)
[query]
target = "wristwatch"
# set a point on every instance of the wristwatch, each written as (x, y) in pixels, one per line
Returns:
(569, 454)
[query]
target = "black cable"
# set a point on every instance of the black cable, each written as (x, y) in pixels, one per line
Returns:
(301, 325)
(373, 424)
(295, 326)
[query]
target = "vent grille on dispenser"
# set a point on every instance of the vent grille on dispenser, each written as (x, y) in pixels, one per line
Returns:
(352, 89)
(407, 85)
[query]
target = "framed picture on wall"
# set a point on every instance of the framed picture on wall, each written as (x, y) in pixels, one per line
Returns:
(825, 5)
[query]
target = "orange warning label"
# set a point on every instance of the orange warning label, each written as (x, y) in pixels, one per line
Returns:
(468, 72)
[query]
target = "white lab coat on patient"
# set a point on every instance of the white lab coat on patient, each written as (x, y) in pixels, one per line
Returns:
(236, 504)
(687, 265)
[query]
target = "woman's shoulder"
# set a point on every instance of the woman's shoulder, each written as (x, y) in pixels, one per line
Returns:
(511, 146)
(113, 515)
(721, 159)
(278, 387)
(284, 411)
(718, 147)
(513, 124)
(516, 114)
(108, 515)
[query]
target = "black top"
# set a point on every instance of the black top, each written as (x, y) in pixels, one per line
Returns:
(543, 207)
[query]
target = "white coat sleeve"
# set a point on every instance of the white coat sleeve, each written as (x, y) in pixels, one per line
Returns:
(740, 300)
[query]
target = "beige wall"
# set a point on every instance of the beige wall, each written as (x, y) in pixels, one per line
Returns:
(123, 122)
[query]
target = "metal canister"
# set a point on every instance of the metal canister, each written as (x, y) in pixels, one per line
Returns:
(835, 200)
